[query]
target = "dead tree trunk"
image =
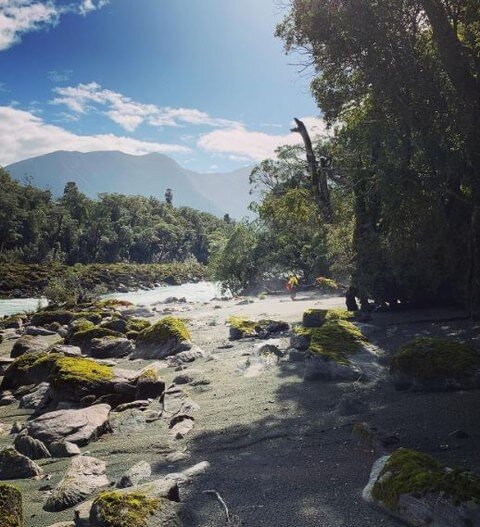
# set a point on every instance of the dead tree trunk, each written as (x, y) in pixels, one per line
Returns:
(318, 176)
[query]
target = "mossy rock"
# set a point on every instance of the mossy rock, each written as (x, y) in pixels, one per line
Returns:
(241, 328)
(93, 316)
(137, 324)
(42, 318)
(166, 337)
(430, 364)
(315, 318)
(418, 489)
(76, 326)
(336, 340)
(10, 507)
(133, 509)
(73, 374)
(83, 339)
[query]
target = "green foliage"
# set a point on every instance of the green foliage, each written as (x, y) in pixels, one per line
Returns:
(36, 228)
(412, 472)
(165, 329)
(430, 358)
(131, 509)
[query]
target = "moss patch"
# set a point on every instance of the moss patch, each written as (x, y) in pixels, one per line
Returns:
(430, 358)
(165, 329)
(336, 340)
(412, 472)
(243, 325)
(137, 324)
(83, 337)
(93, 316)
(126, 509)
(10, 507)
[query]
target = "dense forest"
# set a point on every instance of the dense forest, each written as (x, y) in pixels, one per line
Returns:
(392, 199)
(37, 228)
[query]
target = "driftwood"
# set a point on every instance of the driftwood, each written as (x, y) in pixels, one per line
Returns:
(318, 176)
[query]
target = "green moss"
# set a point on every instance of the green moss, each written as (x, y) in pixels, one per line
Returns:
(412, 472)
(93, 316)
(42, 318)
(137, 324)
(80, 338)
(148, 375)
(244, 325)
(336, 340)
(10, 507)
(163, 330)
(126, 509)
(59, 369)
(430, 358)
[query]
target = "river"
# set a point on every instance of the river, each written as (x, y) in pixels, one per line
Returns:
(199, 292)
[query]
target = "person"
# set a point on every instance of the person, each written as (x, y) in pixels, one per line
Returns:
(292, 285)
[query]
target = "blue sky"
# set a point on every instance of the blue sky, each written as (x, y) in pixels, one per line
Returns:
(204, 81)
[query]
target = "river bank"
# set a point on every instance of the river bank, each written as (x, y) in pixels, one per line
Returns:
(19, 280)
(278, 449)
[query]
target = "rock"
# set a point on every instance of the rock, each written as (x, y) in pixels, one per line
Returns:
(153, 503)
(38, 332)
(314, 318)
(134, 404)
(243, 328)
(188, 356)
(45, 317)
(17, 427)
(4, 364)
(138, 473)
(149, 385)
(183, 378)
(300, 341)
(176, 402)
(11, 514)
(138, 312)
(27, 344)
(374, 439)
(7, 399)
(271, 346)
(434, 365)
(82, 514)
(39, 398)
(421, 492)
(76, 426)
(63, 524)
(188, 474)
(111, 347)
(67, 350)
(85, 337)
(63, 449)
(166, 337)
(128, 421)
(351, 404)
(181, 425)
(295, 355)
(30, 447)
(14, 465)
(84, 476)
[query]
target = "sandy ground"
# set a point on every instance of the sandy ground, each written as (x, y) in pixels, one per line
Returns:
(280, 454)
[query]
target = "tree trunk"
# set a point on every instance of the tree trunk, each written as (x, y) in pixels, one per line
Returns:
(318, 177)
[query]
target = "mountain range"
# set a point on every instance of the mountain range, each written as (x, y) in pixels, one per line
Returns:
(146, 175)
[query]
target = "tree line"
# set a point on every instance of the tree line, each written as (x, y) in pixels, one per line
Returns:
(399, 82)
(36, 227)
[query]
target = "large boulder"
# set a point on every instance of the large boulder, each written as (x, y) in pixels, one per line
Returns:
(166, 337)
(84, 476)
(430, 364)
(148, 505)
(315, 318)
(30, 447)
(339, 352)
(421, 492)
(84, 338)
(28, 344)
(75, 426)
(10, 507)
(45, 317)
(135, 475)
(38, 398)
(111, 347)
(149, 385)
(14, 465)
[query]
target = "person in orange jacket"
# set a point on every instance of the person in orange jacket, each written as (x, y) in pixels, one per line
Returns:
(292, 285)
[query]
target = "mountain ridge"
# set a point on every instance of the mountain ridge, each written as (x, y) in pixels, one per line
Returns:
(110, 171)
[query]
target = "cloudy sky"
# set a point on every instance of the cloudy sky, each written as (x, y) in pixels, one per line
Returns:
(204, 81)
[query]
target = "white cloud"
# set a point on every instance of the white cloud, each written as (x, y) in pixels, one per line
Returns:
(59, 76)
(34, 137)
(127, 113)
(18, 17)
(239, 142)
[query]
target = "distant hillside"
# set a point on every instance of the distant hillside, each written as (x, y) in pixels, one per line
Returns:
(148, 175)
